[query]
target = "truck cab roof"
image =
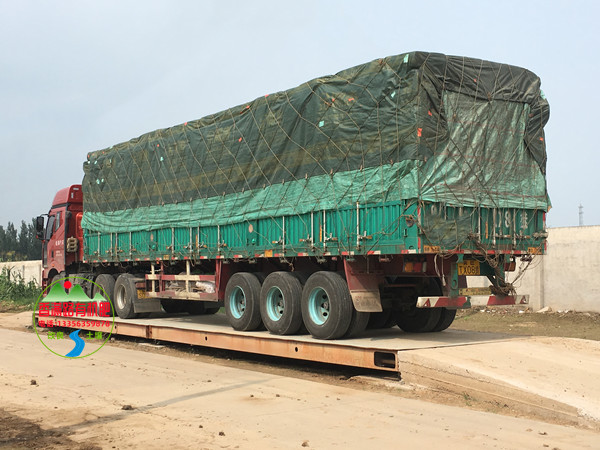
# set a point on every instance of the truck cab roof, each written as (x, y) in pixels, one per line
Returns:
(71, 194)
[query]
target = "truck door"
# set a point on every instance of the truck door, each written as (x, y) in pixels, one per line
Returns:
(55, 240)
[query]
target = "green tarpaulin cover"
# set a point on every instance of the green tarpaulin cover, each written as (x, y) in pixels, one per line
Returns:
(422, 126)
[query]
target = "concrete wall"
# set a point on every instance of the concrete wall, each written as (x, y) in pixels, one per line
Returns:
(568, 276)
(30, 270)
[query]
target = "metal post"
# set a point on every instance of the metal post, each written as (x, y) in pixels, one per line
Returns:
(172, 242)
(187, 272)
(324, 231)
(357, 225)
(494, 230)
(153, 272)
(312, 229)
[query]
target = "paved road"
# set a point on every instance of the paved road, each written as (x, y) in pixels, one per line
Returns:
(181, 403)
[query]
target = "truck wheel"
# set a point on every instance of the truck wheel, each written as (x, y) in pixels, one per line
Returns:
(280, 303)
(124, 296)
(57, 277)
(242, 302)
(209, 309)
(194, 308)
(418, 320)
(446, 319)
(107, 283)
(200, 308)
(383, 319)
(358, 323)
(326, 305)
(172, 306)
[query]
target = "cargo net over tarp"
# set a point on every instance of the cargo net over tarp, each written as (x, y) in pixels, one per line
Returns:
(420, 127)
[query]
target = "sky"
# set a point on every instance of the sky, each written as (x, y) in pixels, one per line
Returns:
(78, 76)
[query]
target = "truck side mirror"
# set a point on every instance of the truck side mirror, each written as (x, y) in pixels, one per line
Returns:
(39, 227)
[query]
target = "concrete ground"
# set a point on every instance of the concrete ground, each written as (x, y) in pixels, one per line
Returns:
(123, 398)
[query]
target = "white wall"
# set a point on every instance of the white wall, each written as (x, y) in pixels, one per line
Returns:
(568, 276)
(30, 270)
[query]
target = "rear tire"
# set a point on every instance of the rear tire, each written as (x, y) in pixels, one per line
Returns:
(425, 320)
(446, 319)
(418, 320)
(383, 319)
(358, 324)
(280, 307)
(242, 304)
(124, 296)
(326, 305)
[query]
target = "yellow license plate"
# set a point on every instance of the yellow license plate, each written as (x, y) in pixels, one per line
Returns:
(469, 268)
(475, 291)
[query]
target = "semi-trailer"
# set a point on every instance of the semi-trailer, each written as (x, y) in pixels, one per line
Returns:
(362, 198)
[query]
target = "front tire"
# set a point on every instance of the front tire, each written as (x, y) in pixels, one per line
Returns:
(242, 305)
(105, 288)
(326, 305)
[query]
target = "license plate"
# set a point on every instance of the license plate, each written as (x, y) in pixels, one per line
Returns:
(475, 291)
(469, 268)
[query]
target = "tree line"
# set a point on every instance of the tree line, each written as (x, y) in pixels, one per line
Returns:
(19, 245)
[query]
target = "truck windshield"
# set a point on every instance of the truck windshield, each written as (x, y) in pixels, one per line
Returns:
(50, 228)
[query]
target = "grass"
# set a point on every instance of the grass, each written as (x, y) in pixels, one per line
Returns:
(16, 294)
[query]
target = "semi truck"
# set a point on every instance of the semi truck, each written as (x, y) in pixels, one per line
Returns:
(364, 198)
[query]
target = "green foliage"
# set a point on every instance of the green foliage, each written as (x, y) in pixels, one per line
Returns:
(13, 287)
(19, 245)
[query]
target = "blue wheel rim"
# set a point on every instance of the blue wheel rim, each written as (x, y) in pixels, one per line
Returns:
(275, 304)
(237, 302)
(318, 306)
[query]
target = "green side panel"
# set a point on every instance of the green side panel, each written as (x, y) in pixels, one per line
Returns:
(389, 228)
(459, 228)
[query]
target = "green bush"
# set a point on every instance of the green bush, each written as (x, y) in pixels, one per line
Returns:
(14, 288)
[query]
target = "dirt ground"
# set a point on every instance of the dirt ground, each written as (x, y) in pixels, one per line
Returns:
(69, 415)
(123, 398)
(524, 322)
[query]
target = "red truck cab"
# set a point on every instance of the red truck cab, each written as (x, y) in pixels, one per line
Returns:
(61, 234)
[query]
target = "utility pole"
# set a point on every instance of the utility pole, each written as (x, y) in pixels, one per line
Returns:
(580, 215)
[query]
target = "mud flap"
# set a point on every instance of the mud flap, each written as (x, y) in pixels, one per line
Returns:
(364, 286)
(146, 305)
